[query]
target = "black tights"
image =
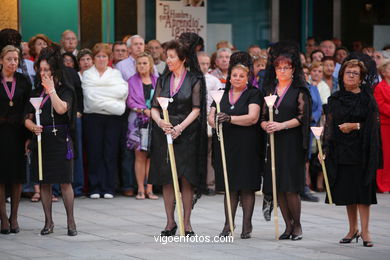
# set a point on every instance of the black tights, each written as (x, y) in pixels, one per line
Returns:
(16, 190)
(290, 206)
(247, 198)
(67, 197)
(187, 193)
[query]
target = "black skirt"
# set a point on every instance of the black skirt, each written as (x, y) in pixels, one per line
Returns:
(12, 159)
(57, 168)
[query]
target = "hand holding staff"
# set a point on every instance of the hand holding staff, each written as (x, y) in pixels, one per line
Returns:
(317, 131)
(217, 96)
(36, 102)
(164, 105)
(270, 100)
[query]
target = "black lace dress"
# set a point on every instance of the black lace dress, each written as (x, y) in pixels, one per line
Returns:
(352, 159)
(291, 144)
(186, 146)
(57, 149)
(13, 134)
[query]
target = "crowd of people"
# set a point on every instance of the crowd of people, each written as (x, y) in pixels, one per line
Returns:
(102, 130)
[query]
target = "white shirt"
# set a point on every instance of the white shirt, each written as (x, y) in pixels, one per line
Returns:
(324, 91)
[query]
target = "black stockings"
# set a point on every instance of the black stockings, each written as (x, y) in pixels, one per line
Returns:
(290, 206)
(16, 190)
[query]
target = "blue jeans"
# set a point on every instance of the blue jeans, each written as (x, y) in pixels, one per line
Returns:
(78, 168)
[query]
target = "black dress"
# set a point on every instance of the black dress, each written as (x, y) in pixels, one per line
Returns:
(13, 134)
(242, 146)
(349, 156)
(186, 146)
(57, 149)
(290, 144)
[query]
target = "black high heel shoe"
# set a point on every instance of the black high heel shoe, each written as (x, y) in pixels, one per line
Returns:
(168, 233)
(296, 237)
(225, 233)
(5, 231)
(47, 230)
(14, 230)
(246, 235)
(285, 236)
(349, 240)
(72, 232)
(368, 243)
(189, 233)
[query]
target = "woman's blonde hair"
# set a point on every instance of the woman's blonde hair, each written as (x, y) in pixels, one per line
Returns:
(316, 64)
(383, 66)
(8, 48)
(150, 58)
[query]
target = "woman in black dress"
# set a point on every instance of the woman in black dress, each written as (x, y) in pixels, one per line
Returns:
(14, 95)
(292, 114)
(351, 144)
(57, 129)
(186, 90)
(240, 112)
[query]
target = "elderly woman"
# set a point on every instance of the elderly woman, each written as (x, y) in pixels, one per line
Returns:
(186, 91)
(141, 90)
(57, 117)
(351, 145)
(14, 96)
(240, 112)
(292, 115)
(382, 96)
(36, 44)
(105, 94)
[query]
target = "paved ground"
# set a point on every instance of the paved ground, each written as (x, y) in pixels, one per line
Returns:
(123, 228)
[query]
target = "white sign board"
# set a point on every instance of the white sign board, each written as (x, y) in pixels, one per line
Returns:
(173, 17)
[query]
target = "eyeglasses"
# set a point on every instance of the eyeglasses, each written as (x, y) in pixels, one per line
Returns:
(352, 74)
(283, 68)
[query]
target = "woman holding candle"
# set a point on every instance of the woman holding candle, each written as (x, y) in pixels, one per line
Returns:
(292, 116)
(14, 95)
(240, 111)
(57, 117)
(184, 85)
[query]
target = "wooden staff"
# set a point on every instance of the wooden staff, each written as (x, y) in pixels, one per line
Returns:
(270, 100)
(164, 105)
(217, 96)
(317, 131)
(36, 102)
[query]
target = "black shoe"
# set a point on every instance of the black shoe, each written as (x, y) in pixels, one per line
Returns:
(307, 196)
(368, 244)
(47, 230)
(15, 230)
(349, 240)
(246, 235)
(5, 231)
(285, 236)
(296, 237)
(72, 232)
(225, 233)
(267, 207)
(189, 233)
(168, 233)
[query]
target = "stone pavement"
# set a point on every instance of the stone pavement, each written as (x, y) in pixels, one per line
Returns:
(123, 228)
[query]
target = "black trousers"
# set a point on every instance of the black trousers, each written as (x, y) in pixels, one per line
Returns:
(102, 137)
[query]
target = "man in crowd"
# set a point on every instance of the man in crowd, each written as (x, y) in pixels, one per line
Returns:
(222, 65)
(119, 52)
(69, 42)
(254, 50)
(156, 50)
(329, 48)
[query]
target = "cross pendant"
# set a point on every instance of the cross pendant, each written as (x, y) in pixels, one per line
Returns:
(55, 131)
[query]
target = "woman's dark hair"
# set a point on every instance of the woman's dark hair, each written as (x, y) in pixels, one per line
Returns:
(331, 58)
(31, 43)
(314, 52)
(84, 52)
(178, 47)
(53, 57)
(288, 51)
(75, 62)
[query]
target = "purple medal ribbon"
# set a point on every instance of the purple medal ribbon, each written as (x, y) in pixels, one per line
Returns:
(171, 85)
(277, 104)
(232, 103)
(44, 99)
(11, 93)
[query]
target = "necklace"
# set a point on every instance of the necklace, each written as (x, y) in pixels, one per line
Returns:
(172, 90)
(277, 104)
(11, 93)
(231, 100)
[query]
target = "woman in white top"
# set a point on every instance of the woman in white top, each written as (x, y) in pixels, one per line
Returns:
(105, 94)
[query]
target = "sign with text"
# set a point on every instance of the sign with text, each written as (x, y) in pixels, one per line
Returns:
(173, 17)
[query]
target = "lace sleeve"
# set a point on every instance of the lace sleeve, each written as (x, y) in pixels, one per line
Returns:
(196, 96)
(157, 93)
(264, 115)
(302, 107)
(328, 130)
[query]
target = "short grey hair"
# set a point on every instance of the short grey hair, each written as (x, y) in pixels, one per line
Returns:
(385, 54)
(219, 51)
(128, 42)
